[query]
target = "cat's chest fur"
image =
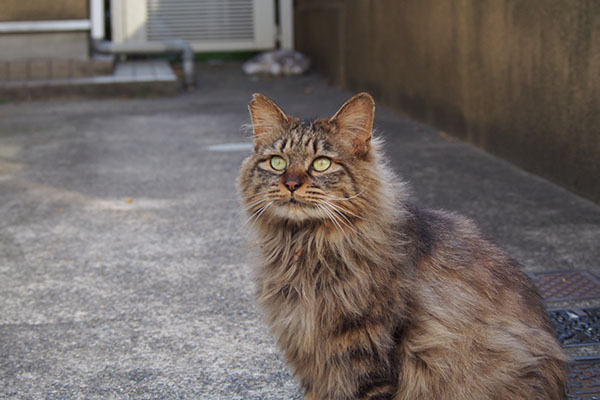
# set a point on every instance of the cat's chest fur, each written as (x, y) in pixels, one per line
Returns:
(296, 284)
(312, 288)
(291, 294)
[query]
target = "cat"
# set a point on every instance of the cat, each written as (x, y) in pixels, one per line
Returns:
(371, 297)
(277, 62)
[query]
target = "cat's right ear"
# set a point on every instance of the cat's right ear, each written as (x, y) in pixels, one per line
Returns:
(354, 122)
(267, 118)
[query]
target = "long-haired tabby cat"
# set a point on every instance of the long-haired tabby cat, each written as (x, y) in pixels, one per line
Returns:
(371, 297)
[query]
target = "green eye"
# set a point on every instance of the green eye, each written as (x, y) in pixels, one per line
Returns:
(321, 164)
(278, 163)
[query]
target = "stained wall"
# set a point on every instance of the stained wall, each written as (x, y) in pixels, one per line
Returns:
(519, 78)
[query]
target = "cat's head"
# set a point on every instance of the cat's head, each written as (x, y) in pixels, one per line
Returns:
(324, 170)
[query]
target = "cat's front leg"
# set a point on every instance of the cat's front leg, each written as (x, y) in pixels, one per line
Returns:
(358, 365)
(310, 396)
(385, 392)
(371, 389)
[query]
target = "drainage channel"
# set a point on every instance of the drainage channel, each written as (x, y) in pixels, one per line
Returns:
(575, 326)
(584, 379)
(567, 285)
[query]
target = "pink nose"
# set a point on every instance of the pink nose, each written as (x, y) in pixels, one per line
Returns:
(292, 183)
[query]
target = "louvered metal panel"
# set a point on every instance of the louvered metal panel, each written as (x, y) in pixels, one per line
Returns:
(208, 25)
(200, 20)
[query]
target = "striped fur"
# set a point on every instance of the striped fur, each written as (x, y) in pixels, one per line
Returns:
(370, 297)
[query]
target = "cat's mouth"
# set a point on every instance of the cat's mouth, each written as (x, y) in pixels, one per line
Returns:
(296, 202)
(296, 209)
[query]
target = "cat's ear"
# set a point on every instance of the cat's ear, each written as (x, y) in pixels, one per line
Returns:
(354, 122)
(267, 118)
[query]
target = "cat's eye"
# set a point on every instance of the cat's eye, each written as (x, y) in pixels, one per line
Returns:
(278, 163)
(321, 164)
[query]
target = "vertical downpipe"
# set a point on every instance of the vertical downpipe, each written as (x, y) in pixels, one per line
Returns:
(97, 19)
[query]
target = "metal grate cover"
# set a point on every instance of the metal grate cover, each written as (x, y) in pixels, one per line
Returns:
(584, 379)
(567, 285)
(577, 327)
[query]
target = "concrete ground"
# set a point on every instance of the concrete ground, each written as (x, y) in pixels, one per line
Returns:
(124, 271)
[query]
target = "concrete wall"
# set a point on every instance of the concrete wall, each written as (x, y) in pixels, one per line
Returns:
(43, 10)
(26, 46)
(519, 78)
(44, 45)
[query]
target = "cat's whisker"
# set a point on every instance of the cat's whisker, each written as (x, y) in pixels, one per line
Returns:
(348, 198)
(259, 210)
(333, 207)
(255, 195)
(256, 215)
(343, 221)
(252, 221)
(342, 210)
(263, 209)
(330, 215)
(263, 197)
(252, 205)
(335, 216)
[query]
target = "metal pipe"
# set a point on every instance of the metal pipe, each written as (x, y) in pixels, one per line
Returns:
(97, 19)
(286, 24)
(45, 26)
(172, 46)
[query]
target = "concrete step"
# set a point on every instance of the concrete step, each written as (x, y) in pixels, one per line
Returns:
(128, 79)
(44, 69)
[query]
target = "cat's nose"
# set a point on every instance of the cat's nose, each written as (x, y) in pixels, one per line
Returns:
(292, 183)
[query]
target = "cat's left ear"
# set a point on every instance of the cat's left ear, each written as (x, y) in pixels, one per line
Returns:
(354, 122)
(267, 118)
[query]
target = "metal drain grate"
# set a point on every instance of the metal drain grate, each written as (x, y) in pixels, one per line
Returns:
(584, 379)
(577, 327)
(567, 285)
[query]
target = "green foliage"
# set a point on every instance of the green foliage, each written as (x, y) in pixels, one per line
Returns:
(225, 56)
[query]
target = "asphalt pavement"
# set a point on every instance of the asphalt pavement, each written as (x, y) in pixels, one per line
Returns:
(125, 272)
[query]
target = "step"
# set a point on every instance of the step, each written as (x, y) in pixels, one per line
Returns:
(45, 69)
(129, 79)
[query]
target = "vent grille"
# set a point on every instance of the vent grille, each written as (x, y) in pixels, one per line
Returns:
(200, 20)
